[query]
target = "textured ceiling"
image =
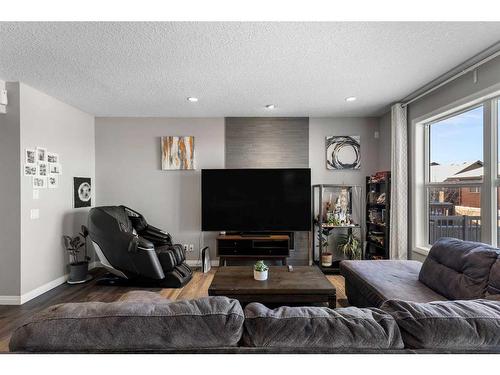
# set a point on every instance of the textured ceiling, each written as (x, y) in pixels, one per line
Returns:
(306, 69)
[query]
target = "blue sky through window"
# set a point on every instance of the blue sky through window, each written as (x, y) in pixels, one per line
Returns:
(458, 138)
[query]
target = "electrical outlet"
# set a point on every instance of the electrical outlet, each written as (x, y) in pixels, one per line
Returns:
(185, 247)
(191, 247)
(34, 213)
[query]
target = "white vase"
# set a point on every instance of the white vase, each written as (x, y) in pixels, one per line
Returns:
(260, 275)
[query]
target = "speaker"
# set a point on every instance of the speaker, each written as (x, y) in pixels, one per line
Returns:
(205, 259)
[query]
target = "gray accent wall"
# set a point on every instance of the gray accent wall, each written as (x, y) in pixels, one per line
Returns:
(265, 142)
(10, 180)
(128, 172)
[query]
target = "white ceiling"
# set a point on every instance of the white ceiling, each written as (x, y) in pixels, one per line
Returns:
(306, 69)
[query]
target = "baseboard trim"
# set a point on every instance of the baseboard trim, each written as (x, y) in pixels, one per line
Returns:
(197, 263)
(10, 300)
(28, 296)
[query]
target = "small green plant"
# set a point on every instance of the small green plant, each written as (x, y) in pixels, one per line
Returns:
(323, 239)
(260, 266)
(349, 244)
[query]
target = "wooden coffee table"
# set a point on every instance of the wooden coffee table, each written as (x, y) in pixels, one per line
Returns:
(304, 285)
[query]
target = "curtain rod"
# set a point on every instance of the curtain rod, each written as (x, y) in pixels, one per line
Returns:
(480, 59)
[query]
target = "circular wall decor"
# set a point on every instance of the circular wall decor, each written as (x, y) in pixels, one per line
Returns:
(84, 192)
(343, 152)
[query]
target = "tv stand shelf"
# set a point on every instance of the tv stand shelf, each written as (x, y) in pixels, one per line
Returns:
(253, 247)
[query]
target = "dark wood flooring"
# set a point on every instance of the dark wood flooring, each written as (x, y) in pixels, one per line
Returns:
(13, 316)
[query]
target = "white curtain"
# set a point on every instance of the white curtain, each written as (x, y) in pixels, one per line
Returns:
(399, 183)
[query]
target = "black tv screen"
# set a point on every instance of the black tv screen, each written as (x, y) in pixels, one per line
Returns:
(252, 200)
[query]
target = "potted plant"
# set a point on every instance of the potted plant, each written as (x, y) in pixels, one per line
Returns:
(260, 271)
(349, 245)
(78, 266)
(326, 256)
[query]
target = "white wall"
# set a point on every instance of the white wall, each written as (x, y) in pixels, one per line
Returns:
(128, 172)
(10, 173)
(63, 129)
(385, 146)
(320, 128)
(128, 166)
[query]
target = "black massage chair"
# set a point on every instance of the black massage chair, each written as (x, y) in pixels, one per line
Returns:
(134, 251)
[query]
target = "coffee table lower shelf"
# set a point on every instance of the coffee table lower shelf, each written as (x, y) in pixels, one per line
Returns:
(283, 300)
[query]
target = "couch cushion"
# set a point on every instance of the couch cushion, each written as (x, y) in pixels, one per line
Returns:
(458, 269)
(453, 325)
(129, 326)
(494, 279)
(379, 280)
(319, 327)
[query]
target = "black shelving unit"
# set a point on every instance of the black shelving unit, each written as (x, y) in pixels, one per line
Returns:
(320, 225)
(378, 216)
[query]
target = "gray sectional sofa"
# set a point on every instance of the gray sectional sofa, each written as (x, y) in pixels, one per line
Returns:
(146, 323)
(453, 270)
(449, 304)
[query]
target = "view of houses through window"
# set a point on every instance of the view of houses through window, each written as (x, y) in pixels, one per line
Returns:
(455, 173)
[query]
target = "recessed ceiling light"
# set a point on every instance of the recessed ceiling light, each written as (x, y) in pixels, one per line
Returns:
(192, 99)
(350, 99)
(271, 106)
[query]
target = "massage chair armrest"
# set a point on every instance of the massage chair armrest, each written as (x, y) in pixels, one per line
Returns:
(145, 244)
(132, 242)
(157, 236)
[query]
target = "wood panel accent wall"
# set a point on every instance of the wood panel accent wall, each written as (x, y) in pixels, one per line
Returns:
(267, 142)
(270, 142)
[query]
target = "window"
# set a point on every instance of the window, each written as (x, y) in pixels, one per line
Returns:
(454, 176)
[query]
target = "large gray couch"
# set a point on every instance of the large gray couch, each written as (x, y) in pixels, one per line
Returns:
(453, 270)
(450, 304)
(147, 323)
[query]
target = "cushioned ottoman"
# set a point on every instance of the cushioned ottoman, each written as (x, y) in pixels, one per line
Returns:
(370, 283)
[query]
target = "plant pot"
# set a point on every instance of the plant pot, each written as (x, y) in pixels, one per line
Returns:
(78, 272)
(260, 275)
(326, 259)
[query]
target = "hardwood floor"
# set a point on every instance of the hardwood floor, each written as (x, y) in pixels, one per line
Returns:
(13, 316)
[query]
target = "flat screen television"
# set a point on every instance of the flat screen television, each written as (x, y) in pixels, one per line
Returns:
(256, 200)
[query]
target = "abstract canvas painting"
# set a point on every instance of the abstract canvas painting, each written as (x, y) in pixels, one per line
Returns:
(177, 153)
(343, 152)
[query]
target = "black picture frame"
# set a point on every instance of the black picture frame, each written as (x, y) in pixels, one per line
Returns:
(82, 192)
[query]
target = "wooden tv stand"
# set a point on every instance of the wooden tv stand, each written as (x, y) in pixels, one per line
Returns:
(249, 247)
